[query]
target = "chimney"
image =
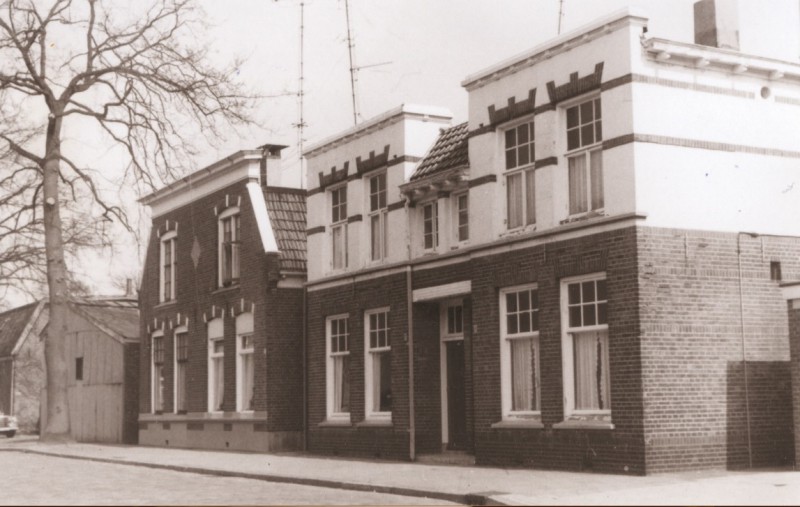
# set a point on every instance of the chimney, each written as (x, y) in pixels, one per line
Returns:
(270, 169)
(716, 24)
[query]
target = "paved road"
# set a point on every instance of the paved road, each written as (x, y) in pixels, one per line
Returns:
(29, 479)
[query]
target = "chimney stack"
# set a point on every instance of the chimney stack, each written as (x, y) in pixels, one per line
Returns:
(270, 169)
(716, 24)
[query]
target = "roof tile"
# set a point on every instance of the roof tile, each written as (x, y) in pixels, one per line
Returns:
(450, 150)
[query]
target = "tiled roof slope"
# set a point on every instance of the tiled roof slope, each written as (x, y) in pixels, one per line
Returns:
(287, 214)
(449, 151)
(120, 315)
(12, 323)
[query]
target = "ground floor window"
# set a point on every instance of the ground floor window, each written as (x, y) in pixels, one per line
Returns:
(519, 351)
(378, 364)
(338, 367)
(158, 372)
(245, 369)
(181, 368)
(216, 365)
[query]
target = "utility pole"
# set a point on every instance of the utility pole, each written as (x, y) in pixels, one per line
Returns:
(353, 68)
(301, 124)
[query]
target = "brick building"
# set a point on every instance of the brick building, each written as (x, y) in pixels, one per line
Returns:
(221, 309)
(562, 281)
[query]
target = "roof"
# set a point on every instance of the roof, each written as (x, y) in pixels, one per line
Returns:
(118, 315)
(287, 215)
(449, 151)
(12, 325)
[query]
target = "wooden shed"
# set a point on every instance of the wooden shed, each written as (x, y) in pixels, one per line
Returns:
(102, 344)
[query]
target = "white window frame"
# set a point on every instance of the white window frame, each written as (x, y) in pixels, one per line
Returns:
(244, 327)
(381, 215)
(568, 350)
(588, 152)
(434, 220)
(330, 380)
(214, 335)
(171, 238)
(457, 218)
(180, 330)
(370, 414)
(225, 215)
(524, 171)
(338, 225)
(162, 381)
(508, 414)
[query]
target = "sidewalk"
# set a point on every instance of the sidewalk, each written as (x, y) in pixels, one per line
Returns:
(454, 483)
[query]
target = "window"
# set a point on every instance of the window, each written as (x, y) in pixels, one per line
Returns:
(775, 271)
(584, 157)
(245, 370)
(78, 368)
(229, 235)
(338, 367)
(181, 368)
(462, 217)
(430, 225)
(520, 175)
(216, 365)
(378, 364)
(339, 227)
(169, 261)
(519, 351)
(377, 216)
(585, 345)
(158, 372)
(455, 319)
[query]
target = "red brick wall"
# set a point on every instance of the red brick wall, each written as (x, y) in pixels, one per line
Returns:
(695, 397)
(794, 337)
(277, 318)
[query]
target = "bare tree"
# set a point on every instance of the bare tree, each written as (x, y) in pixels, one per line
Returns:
(126, 73)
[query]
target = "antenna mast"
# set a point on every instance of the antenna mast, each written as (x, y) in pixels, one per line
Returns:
(301, 124)
(353, 68)
(560, 14)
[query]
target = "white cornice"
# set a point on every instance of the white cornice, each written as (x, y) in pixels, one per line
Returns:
(409, 111)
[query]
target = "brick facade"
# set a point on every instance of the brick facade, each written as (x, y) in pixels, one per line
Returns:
(794, 337)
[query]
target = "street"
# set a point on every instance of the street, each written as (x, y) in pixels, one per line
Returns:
(46, 480)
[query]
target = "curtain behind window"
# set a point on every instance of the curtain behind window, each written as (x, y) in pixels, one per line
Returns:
(591, 371)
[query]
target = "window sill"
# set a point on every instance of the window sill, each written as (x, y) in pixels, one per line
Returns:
(166, 304)
(518, 230)
(335, 423)
(375, 423)
(583, 216)
(229, 288)
(522, 424)
(584, 424)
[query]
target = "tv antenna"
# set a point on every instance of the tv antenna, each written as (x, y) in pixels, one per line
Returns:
(560, 14)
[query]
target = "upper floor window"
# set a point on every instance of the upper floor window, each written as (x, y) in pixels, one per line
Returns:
(245, 369)
(585, 345)
(181, 368)
(378, 364)
(430, 225)
(584, 156)
(158, 371)
(169, 263)
(338, 367)
(462, 217)
(520, 175)
(519, 351)
(339, 227)
(229, 234)
(377, 216)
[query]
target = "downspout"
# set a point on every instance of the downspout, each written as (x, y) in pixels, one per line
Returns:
(305, 368)
(412, 430)
(744, 350)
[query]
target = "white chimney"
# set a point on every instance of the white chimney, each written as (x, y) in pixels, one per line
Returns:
(716, 23)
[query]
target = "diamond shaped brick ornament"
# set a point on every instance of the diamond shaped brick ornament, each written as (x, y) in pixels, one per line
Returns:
(195, 252)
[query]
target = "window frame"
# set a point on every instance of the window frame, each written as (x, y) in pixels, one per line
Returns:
(177, 360)
(330, 387)
(211, 355)
(457, 218)
(586, 151)
(568, 349)
(369, 413)
(244, 329)
(506, 393)
(156, 335)
(379, 213)
(170, 238)
(434, 220)
(524, 171)
(233, 214)
(339, 209)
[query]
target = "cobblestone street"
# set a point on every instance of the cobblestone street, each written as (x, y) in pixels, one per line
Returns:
(45, 480)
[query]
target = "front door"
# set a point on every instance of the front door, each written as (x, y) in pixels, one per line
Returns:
(456, 402)
(454, 406)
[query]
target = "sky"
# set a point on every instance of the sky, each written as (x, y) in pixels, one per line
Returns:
(409, 51)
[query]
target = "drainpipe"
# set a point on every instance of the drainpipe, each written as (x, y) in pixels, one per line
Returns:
(744, 350)
(305, 369)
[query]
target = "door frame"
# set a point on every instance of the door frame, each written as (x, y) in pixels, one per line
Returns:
(444, 338)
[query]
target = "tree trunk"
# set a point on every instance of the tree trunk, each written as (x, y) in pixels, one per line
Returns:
(56, 362)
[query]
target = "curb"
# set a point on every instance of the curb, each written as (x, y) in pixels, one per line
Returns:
(466, 499)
